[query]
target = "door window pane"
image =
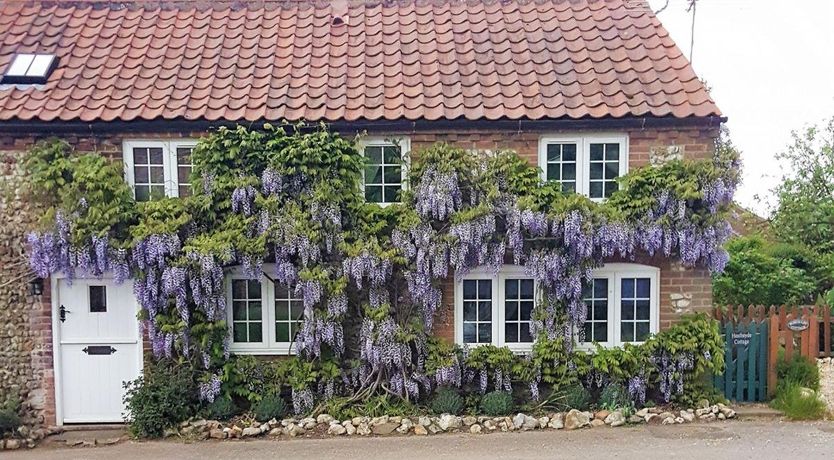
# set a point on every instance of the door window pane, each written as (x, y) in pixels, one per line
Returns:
(383, 174)
(477, 311)
(247, 314)
(595, 296)
(98, 299)
(518, 310)
(635, 309)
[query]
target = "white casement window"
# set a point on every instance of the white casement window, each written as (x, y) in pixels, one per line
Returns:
(386, 164)
(263, 316)
(622, 304)
(495, 309)
(589, 164)
(158, 168)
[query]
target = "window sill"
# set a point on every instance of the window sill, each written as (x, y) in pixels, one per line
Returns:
(266, 351)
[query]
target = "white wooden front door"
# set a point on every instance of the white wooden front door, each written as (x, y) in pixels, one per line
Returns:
(99, 348)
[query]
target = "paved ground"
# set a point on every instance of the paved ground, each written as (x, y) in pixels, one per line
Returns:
(730, 440)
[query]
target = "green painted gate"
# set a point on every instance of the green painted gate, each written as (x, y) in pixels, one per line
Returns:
(745, 358)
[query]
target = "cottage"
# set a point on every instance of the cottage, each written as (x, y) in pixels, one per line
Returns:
(584, 89)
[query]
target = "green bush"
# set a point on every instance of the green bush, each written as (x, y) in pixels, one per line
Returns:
(614, 396)
(222, 409)
(164, 396)
(799, 403)
(497, 403)
(270, 407)
(447, 401)
(800, 371)
(576, 397)
(9, 420)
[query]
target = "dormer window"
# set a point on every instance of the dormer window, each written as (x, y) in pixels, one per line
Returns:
(29, 69)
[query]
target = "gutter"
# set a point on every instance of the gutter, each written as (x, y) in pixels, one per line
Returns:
(381, 126)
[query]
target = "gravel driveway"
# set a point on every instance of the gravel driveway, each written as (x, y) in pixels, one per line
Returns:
(728, 440)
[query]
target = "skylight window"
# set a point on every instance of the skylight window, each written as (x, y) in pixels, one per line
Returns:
(30, 68)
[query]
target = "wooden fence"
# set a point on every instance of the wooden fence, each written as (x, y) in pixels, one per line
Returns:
(804, 331)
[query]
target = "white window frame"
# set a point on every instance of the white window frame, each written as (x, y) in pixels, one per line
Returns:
(583, 155)
(169, 161)
(615, 272)
(498, 310)
(269, 345)
(403, 142)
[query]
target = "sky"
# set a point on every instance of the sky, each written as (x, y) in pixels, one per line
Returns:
(770, 67)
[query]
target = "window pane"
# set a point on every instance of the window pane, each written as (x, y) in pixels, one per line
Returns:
(526, 289)
(373, 174)
(98, 299)
(282, 332)
(595, 190)
(601, 288)
(239, 332)
(157, 192)
(484, 333)
(254, 289)
(183, 174)
(596, 152)
(511, 311)
(281, 292)
(568, 152)
(554, 152)
(374, 154)
(141, 175)
(470, 311)
(596, 170)
(297, 309)
(484, 289)
(155, 156)
(627, 311)
(610, 188)
(469, 333)
(587, 332)
(184, 155)
(511, 332)
(525, 335)
(392, 194)
(569, 187)
(143, 193)
(643, 310)
(469, 289)
(157, 175)
(643, 288)
(484, 311)
(553, 172)
(393, 174)
(612, 152)
(601, 332)
(391, 155)
(600, 310)
(569, 172)
(628, 288)
(373, 194)
(511, 289)
(642, 332)
(239, 289)
(627, 332)
(140, 156)
(612, 170)
(254, 311)
(526, 311)
(255, 334)
(239, 310)
(282, 310)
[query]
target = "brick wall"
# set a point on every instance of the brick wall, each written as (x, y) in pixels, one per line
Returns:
(681, 290)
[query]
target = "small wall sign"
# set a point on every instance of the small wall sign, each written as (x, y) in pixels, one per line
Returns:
(742, 338)
(798, 324)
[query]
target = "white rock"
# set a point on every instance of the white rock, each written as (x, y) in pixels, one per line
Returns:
(350, 429)
(420, 430)
(295, 430)
(405, 426)
(363, 429)
(476, 429)
(424, 421)
(543, 421)
(251, 431)
(576, 419)
(489, 425)
(449, 421)
(469, 420)
(556, 421)
(395, 419)
(379, 420)
(615, 418)
(324, 418)
(336, 429)
(687, 416)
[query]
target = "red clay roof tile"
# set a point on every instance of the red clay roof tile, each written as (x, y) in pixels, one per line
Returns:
(410, 59)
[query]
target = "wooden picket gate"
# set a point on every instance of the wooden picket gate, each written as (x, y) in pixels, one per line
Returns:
(745, 357)
(750, 373)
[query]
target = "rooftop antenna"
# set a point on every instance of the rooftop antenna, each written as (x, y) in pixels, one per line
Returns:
(692, 8)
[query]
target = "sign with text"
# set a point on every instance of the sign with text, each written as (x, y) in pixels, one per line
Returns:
(741, 338)
(798, 324)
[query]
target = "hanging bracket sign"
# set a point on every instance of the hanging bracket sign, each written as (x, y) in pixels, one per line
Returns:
(798, 324)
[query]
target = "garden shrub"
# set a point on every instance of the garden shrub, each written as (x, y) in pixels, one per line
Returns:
(614, 396)
(222, 408)
(270, 407)
(799, 371)
(9, 418)
(577, 397)
(163, 397)
(799, 403)
(497, 403)
(447, 401)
